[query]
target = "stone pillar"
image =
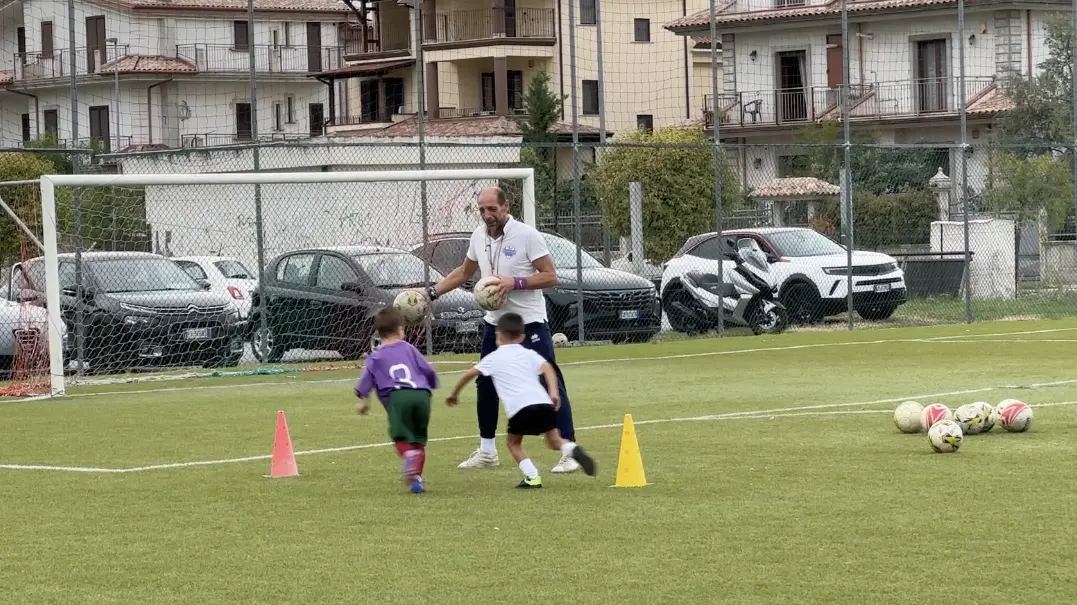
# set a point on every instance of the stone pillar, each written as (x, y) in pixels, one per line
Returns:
(942, 186)
(433, 98)
(501, 86)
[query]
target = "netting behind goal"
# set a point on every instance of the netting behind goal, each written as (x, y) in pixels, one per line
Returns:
(156, 271)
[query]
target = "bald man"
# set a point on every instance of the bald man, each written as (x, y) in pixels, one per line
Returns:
(517, 254)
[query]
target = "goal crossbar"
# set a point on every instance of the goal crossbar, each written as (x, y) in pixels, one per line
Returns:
(49, 183)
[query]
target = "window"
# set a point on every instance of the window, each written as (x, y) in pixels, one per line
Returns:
(287, 34)
(792, 165)
(334, 271)
(643, 30)
(46, 39)
(52, 121)
(396, 270)
(244, 124)
(26, 135)
(588, 14)
(317, 119)
(139, 275)
(278, 117)
(241, 35)
(290, 112)
(645, 122)
(20, 44)
(295, 269)
(99, 127)
(590, 97)
(710, 249)
(563, 253)
(803, 242)
(192, 269)
(233, 269)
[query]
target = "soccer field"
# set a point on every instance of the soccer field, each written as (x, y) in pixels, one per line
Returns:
(777, 476)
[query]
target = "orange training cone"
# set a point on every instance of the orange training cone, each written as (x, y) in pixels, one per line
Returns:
(283, 464)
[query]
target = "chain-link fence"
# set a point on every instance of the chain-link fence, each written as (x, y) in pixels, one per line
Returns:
(747, 182)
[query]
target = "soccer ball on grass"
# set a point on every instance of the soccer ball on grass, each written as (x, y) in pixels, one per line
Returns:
(989, 414)
(560, 340)
(485, 292)
(907, 417)
(971, 418)
(411, 305)
(945, 436)
(1016, 417)
(936, 412)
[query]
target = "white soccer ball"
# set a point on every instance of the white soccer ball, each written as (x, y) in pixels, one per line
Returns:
(485, 292)
(945, 436)
(971, 418)
(933, 413)
(411, 305)
(907, 417)
(560, 340)
(1002, 405)
(1016, 417)
(989, 413)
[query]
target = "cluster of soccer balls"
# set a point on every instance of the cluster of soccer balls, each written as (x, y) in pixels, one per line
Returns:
(413, 305)
(946, 429)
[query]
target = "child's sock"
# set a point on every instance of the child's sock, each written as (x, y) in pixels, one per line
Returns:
(411, 464)
(528, 468)
(567, 447)
(420, 459)
(402, 448)
(488, 446)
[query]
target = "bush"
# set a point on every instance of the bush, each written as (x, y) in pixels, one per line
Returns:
(882, 221)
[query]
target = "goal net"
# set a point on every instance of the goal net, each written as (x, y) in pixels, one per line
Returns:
(229, 271)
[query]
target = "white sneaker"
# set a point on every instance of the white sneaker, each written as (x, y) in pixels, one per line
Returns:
(480, 459)
(566, 464)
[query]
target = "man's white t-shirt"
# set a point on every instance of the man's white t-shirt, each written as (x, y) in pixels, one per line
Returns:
(515, 370)
(512, 255)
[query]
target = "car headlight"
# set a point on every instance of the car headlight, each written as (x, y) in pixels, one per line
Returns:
(834, 270)
(139, 321)
(565, 291)
(138, 309)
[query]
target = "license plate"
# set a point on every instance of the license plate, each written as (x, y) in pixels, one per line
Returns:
(882, 287)
(198, 334)
(467, 327)
(633, 314)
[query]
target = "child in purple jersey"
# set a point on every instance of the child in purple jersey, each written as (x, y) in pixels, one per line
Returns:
(404, 382)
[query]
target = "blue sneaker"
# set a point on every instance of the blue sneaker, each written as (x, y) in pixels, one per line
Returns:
(417, 486)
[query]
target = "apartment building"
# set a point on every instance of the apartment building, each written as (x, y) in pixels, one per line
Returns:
(784, 69)
(175, 73)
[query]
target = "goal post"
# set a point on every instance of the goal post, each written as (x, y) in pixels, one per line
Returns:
(53, 216)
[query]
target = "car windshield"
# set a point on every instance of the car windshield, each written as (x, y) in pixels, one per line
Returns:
(140, 275)
(233, 269)
(564, 254)
(804, 242)
(395, 270)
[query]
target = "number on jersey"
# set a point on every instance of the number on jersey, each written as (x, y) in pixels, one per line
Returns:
(401, 374)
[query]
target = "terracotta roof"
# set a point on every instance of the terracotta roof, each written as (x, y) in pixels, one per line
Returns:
(148, 64)
(705, 41)
(364, 69)
(992, 101)
(728, 13)
(7, 77)
(801, 186)
(296, 6)
(483, 126)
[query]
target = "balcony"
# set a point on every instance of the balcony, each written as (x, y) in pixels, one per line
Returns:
(898, 100)
(391, 43)
(218, 139)
(57, 64)
(226, 58)
(97, 144)
(480, 27)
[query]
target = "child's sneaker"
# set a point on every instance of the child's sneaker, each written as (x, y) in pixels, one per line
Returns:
(586, 461)
(530, 483)
(417, 486)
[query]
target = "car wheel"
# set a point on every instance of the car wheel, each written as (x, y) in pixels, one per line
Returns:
(264, 345)
(678, 306)
(877, 313)
(802, 302)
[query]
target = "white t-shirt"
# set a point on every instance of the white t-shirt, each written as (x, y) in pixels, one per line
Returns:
(512, 255)
(515, 370)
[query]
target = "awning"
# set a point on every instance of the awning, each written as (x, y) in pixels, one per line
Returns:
(361, 70)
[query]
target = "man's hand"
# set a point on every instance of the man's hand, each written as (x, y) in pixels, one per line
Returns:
(556, 399)
(363, 407)
(505, 286)
(451, 401)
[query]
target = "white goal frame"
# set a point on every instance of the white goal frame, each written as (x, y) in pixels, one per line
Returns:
(49, 183)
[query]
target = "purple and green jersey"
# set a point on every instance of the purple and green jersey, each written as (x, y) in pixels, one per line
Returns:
(395, 366)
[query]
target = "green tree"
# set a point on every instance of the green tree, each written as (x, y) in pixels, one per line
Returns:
(24, 200)
(676, 168)
(1030, 185)
(543, 109)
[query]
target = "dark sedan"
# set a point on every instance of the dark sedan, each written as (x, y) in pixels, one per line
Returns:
(617, 305)
(324, 299)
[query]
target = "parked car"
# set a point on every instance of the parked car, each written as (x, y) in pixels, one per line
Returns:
(809, 268)
(618, 305)
(140, 309)
(225, 275)
(23, 327)
(324, 299)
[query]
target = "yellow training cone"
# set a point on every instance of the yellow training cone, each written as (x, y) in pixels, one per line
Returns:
(629, 462)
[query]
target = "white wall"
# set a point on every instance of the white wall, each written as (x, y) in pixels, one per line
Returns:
(11, 109)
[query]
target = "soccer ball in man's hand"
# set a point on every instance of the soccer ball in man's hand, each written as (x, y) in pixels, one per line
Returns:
(907, 417)
(945, 436)
(411, 305)
(486, 293)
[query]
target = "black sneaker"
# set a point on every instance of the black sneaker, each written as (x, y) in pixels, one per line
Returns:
(535, 483)
(586, 461)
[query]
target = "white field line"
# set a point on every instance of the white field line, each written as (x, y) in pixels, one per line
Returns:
(1008, 340)
(768, 414)
(245, 385)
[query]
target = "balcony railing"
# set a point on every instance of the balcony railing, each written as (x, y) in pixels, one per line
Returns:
(879, 100)
(57, 64)
(485, 24)
(217, 139)
(227, 58)
(471, 112)
(391, 41)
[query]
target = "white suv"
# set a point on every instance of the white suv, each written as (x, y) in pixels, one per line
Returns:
(809, 268)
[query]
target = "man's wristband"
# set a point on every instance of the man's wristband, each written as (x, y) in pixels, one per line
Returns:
(519, 283)
(432, 292)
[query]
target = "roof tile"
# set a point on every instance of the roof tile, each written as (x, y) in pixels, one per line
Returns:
(7, 77)
(728, 13)
(305, 6)
(484, 126)
(148, 64)
(801, 186)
